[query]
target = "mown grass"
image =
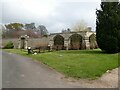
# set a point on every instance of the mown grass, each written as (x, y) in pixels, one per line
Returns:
(88, 64)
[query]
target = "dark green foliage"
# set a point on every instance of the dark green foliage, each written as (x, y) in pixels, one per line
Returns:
(14, 26)
(9, 45)
(108, 27)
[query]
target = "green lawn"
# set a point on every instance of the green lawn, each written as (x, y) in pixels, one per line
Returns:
(88, 64)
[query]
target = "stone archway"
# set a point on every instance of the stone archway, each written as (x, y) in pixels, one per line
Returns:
(92, 40)
(22, 42)
(75, 42)
(58, 42)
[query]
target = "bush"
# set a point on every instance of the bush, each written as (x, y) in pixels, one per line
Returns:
(9, 45)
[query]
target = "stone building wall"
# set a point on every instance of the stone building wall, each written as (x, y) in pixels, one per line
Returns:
(49, 41)
(32, 42)
(14, 40)
(38, 42)
(84, 34)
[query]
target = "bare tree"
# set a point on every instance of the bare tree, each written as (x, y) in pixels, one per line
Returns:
(80, 26)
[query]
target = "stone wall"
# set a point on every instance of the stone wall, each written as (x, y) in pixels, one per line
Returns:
(45, 41)
(14, 40)
(38, 42)
(32, 42)
(84, 34)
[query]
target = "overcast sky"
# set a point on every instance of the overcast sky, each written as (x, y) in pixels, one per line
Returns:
(54, 14)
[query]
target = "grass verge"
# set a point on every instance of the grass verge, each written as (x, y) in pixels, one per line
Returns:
(87, 64)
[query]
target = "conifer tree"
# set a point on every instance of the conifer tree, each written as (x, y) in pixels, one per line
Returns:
(108, 26)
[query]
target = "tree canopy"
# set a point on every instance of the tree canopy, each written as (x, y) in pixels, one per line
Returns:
(108, 27)
(80, 26)
(15, 30)
(14, 26)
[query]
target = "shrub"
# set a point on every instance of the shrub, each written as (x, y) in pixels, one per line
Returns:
(9, 45)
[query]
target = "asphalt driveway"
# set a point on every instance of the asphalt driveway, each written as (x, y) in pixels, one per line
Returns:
(23, 72)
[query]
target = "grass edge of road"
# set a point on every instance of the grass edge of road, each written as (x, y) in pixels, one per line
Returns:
(78, 64)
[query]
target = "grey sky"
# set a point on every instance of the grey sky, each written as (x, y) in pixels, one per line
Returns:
(54, 14)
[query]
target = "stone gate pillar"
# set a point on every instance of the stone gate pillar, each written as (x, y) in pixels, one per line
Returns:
(87, 43)
(66, 43)
(25, 40)
(51, 43)
(26, 44)
(19, 44)
(83, 45)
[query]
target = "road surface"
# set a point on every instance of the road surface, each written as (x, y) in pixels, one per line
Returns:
(23, 72)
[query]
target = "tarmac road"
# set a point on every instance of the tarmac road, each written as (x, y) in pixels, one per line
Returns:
(23, 72)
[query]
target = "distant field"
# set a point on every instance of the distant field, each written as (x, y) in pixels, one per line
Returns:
(88, 64)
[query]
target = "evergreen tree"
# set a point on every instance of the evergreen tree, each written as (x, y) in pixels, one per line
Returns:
(108, 27)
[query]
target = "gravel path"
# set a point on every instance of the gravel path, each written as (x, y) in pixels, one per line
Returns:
(108, 80)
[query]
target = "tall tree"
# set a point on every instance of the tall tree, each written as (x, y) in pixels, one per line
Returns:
(108, 26)
(30, 26)
(42, 30)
